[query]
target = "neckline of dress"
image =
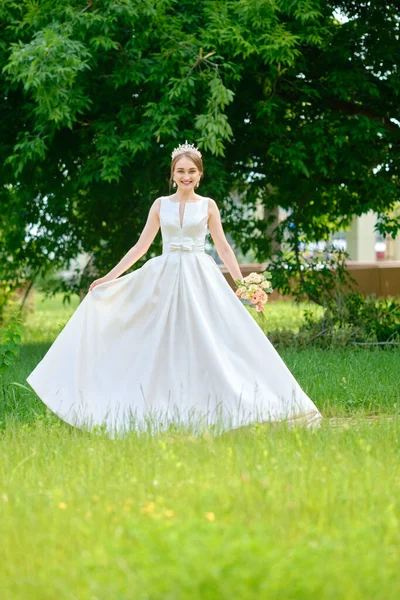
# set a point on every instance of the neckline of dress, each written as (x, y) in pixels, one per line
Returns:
(185, 201)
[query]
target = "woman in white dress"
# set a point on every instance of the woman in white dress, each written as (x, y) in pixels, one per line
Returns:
(170, 342)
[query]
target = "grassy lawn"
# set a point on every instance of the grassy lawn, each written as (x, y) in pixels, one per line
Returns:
(257, 514)
(262, 512)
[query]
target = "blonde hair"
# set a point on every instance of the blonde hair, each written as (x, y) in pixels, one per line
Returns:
(193, 157)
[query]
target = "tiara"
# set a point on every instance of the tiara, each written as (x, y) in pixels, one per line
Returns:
(185, 148)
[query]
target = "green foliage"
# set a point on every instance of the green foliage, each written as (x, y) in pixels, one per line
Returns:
(317, 277)
(48, 68)
(5, 295)
(10, 340)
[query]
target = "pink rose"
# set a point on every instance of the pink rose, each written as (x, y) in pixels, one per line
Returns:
(261, 296)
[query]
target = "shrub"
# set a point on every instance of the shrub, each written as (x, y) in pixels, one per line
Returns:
(10, 340)
(349, 319)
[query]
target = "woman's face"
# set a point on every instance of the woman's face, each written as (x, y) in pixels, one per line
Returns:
(186, 174)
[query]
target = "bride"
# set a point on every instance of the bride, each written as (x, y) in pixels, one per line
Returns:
(170, 343)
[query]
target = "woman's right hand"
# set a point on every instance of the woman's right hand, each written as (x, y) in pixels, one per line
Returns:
(97, 282)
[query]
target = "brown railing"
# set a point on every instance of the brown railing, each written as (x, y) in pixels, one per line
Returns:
(380, 278)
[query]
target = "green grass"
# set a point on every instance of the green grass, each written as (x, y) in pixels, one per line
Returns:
(345, 381)
(284, 315)
(48, 318)
(258, 513)
(261, 513)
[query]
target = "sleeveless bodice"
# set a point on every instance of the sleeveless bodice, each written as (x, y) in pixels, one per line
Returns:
(191, 236)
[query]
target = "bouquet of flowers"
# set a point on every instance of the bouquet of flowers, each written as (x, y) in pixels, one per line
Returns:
(254, 289)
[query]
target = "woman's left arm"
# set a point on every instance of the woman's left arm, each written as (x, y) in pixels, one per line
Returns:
(222, 245)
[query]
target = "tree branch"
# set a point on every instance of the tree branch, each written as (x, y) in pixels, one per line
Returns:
(353, 109)
(349, 108)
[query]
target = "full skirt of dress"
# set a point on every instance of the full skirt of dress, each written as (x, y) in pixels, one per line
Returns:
(169, 343)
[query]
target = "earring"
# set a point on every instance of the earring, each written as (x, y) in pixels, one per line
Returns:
(174, 184)
(197, 184)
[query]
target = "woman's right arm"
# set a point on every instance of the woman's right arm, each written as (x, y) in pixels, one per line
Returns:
(144, 242)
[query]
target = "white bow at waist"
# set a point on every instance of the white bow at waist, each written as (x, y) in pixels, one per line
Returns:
(182, 245)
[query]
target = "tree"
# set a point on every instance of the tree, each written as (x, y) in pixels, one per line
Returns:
(323, 134)
(287, 104)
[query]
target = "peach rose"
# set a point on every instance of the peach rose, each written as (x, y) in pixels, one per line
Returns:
(240, 292)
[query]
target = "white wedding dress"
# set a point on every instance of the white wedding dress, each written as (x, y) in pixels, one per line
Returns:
(168, 343)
